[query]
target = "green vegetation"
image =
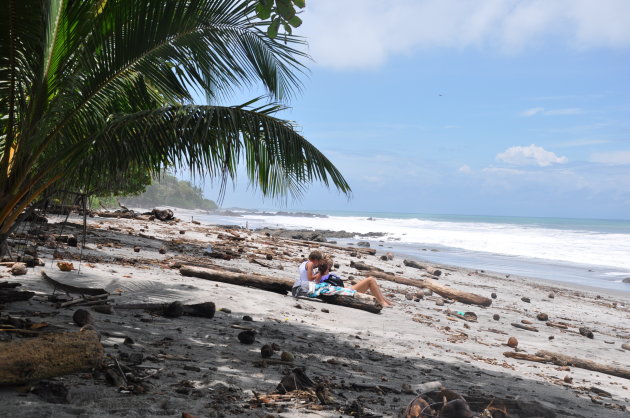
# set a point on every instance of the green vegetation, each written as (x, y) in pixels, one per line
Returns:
(169, 191)
(92, 90)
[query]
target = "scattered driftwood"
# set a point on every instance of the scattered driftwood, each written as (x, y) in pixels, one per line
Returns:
(444, 291)
(277, 285)
(361, 266)
(11, 295)
(563, 360)
(50, 355)
(73, 289)
(260, 263)
(369, 251)
(205, 309)
(85, 301)
(416, 265)
(525, 327)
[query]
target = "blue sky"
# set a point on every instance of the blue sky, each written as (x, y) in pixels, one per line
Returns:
(468, 107)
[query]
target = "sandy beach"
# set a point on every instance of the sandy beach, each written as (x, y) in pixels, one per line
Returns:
(366, 364)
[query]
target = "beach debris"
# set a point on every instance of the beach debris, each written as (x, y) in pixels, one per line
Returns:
(18, 269)
(466, 316)
(496, 317)
(560, 325)
(365, 244)
(104, 309)
(162, 250)
(438, 403)
(512, 342)
(286, 356)
(418, 408)
(551, 295)
(587, 332)
(526, 299)
(295, 380)
(542, 317)
(162, 214)
(248, 318)
(525, 327)
(493, 295)
(439, 302)
(428, 269)
(136, 249)
(625, 346)
(65, 266)
(568, 379)
(49, 355)
(544, 356)
(72, 289)
(9, 294)
(427, 292)
(247, 337)
(266, 351)
(174, 309)
(361, 266)
(82, 317)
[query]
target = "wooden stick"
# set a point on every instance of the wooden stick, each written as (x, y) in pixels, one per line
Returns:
(525, 327)
(85, 300)
(49, 355)
(564, 360)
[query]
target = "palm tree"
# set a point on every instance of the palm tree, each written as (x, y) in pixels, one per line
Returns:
(102, 87)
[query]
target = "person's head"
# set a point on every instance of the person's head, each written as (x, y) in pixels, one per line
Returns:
(315, 257)
(325, 265)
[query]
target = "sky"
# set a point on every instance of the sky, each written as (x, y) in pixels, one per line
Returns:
(478, 107)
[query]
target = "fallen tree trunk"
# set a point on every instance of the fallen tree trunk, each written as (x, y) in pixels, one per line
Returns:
(50, 355)
(444, 291)
(564, 360)
(277, 285)
(10, 295)
(369, 251)
(416, 265)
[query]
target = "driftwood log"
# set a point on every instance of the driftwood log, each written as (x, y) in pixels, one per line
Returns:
(11, 295)
(277, 285)
(564, 360)
(444, 291)
(50, 355)
(369, 251)
(428, 269)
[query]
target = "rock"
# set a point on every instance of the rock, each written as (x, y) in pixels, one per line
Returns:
(324, 310)
(457, 408)
(389, 256)
(439, 302)
(427, 291)
(551, 337)
(248, 318)
(129, 341)
(496, 317)
(586, 332)
(174, 310)
(72, 240)
(626, 280)
(625, 346)
(336, 266)
(136, 249)
(551, 296)
(182, 231)
(542, 317)
(163, 214)
(82, 317)
(29, 260)
(408, 296)
(104, 309)
(266, 351)
(512, 342)
(247, 337)
(384, 258)
(275, 347)
(365, 244)
(286, 356)
(417, 408)
(162, 250)
(493, 295)
(226, 310)
(526, 300)
(568, 379)
(269, 257)
(18, 269)
(419, 295)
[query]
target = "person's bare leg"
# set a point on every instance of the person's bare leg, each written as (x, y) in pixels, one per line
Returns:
(371, 285)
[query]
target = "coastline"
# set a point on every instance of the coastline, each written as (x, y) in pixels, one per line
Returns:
(367, 361)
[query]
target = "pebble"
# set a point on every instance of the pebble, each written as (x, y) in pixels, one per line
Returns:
(226, 310)
(182, 232)
(408, 296)
(542, 317)
(275, 347)
(496, 317)
(551, 296)
(526, 300)
(286, 356)
(512, 342)
(324, 310)
(247, 337)
(82, 317)
(439, 302)
(136, 249)
(248, 318)
(586, 332)
(568, 379)
(162, 250)
(427, 292)
(493, 295)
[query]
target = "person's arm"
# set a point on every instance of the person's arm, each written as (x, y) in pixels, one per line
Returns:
(312, 277)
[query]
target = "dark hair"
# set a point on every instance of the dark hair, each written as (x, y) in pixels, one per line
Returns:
(315, 255)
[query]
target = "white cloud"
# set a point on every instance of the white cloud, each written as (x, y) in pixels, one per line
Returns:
(365, 33)
(532, 155)
(614, 157)
(465, 169)
(531, 112)
(552, 112)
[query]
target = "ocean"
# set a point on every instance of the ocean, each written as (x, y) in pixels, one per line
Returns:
(588, 252)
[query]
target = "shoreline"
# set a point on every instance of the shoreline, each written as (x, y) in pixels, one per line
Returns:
(351, 352)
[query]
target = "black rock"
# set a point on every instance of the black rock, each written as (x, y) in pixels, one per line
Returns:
(363, 244)
(247, 318)
(266, 351)
(626, 280)
(493, 295)
(82, 317)
(247, 337)
(496, 317)
(586, 332)
(526, 300)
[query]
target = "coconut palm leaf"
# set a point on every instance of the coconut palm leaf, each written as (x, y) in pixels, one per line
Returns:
(104, 86)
